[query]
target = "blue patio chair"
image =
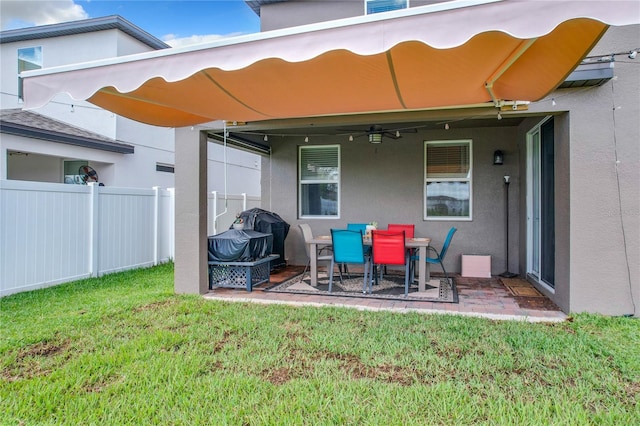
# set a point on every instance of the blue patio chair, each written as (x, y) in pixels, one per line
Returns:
(439, 259)
(362, 227)
(357, 227)
(349, 248)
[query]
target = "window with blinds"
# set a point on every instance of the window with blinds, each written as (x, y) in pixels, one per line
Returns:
(319, 181)
(377, 6)
(447, 160)
(448, 174)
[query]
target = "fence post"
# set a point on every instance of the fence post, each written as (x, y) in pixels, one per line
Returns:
(244, 201)
(215, 211)
(156, 223)
(172, 221)
(94, 224)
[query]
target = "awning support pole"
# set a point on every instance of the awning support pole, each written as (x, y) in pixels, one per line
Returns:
(506, 64)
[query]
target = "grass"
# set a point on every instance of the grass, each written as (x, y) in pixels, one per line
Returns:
(124, 349)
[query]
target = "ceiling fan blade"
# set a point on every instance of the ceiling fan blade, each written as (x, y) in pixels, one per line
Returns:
(392, 135)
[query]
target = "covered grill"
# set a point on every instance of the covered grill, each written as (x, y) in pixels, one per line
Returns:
(269, 223)
(237, 245)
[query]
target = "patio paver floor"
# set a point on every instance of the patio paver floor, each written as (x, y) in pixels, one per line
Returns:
(478, 297)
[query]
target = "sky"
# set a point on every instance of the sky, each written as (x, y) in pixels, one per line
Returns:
(176, 22)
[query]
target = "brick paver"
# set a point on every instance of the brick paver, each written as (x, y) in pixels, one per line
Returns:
(481, 297)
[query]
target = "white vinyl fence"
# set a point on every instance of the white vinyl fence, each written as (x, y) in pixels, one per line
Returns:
(52, 233)
(222, 210)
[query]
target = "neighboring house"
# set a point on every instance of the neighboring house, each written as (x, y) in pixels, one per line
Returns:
(422, 143)
(51, 143)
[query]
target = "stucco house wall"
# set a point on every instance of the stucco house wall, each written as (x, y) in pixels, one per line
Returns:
(384, 183)
(598, 186)
(286, 14)
(597, 179)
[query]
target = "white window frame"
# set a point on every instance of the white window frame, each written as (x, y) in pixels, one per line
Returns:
(468, 178)
(315, 181)
(41, 64)
(366, 8)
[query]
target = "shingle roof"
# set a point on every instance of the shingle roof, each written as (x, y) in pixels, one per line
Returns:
(33, 125)
(82, 27)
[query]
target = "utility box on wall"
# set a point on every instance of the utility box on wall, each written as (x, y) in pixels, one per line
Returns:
(476, 266)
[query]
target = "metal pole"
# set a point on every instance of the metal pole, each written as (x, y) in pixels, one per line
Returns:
(506, 273)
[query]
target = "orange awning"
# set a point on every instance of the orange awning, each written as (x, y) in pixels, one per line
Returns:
(445, 55)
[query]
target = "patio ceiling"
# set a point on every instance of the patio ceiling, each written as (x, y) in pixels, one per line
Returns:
(447, 55)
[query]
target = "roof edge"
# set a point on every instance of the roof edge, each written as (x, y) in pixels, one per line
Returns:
(51, 136)
(82, 27)
(255, 5)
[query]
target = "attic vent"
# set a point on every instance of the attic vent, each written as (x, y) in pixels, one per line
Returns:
(164, 168)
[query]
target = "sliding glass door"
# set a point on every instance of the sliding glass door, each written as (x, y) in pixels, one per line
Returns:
(540, 203)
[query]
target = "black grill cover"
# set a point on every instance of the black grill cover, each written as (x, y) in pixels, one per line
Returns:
(237, 245)
(269, 223)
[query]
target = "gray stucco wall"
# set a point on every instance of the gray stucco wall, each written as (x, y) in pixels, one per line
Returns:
(300, 12)
(597, 192)
(600, 196)
(562, 170)
(384, 183)
(605, 196)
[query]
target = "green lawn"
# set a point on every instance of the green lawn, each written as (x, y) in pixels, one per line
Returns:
(123, 349)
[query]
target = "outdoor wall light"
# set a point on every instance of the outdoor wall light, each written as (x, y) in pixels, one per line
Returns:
(498, 158)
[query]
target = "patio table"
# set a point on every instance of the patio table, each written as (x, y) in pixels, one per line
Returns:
(424, 271)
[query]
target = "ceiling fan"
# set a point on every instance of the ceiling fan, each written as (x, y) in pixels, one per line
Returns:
(375, 133)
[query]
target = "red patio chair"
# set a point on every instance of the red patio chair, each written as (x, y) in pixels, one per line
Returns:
(408, 228)
(409, 232)
(388, 248)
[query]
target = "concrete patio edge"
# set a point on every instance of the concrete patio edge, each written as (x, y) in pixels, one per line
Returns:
(559, 317)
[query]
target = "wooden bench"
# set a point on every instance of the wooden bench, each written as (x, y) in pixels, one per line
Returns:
(240, 274)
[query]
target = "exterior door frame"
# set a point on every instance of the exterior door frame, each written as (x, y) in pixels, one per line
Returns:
(534, 200)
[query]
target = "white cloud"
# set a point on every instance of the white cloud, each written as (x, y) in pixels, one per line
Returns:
(25, 13)
(174, 41)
